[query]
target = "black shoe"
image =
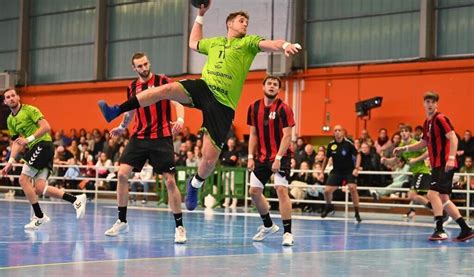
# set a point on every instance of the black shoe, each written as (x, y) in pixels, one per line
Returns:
(329, 210)
(438, 235)
(465, 235)
(358, 219)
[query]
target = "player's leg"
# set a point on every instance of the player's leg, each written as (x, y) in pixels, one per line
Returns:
(281, 186)
(258, 179)
(174, 202)
(355, 200)
(42, 188)
(172, 91)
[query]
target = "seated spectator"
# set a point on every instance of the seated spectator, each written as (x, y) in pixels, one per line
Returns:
(313, 193)
(72, 173)
(142, 180)
(229, 156)
(369, 161)
(191, 160)
(465, 147)
(299, 181)
(396, 139)
(463, 180)
(364, 136)
(383, 142)
(399, 180)
(181, 155)
(299, 150)
(309, 155)
(104, 168)
(418, 132)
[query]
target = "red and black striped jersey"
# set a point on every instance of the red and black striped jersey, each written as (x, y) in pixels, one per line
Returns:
(434, 133)
(153, 121)
(269, 123)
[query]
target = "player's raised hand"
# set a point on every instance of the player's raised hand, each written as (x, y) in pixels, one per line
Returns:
(204, 9)
(177, 126)
(117, 131)
(291, 48)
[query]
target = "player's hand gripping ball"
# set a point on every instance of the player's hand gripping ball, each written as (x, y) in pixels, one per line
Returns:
(198, 3)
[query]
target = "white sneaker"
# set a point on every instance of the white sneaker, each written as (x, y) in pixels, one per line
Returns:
(119, 227)
(80, 205)
(263, 232)
(180, 235)
(35, 222)
(288, 239)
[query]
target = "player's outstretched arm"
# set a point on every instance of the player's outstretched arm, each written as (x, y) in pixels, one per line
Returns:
(196, 32)
(279, 45)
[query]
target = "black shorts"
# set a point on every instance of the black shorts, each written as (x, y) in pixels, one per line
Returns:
(159, 153)
(441, 181)
(420, 183)
(263, 171)
(40, 156)
(340, 179)
(217, 117)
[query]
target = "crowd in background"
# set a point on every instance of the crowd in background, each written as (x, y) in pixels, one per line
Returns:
(100, 152)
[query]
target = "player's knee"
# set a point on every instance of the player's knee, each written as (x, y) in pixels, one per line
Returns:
(255, 192)
(281, 191)
(123, 177)
(39, 187)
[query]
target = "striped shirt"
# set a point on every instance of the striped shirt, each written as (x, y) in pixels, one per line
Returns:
(434, 133)
(269, 123)
(153, 121)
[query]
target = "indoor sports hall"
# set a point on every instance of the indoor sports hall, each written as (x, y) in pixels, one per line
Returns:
(236, 137)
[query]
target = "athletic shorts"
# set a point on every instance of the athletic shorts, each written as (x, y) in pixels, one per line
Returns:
(217, 117)
(159, 152)
(340, 179)
(441, 181)
(39, 160)
(420, 183)
(263, 171)
(40, 156)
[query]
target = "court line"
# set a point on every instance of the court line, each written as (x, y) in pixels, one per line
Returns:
(440, 248)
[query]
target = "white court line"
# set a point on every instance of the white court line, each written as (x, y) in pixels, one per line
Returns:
(131, 239)
(302, 217)
(440, 248)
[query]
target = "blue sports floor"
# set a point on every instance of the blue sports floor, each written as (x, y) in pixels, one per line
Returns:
(218, 244)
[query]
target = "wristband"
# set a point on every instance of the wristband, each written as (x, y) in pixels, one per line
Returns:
(180, 119)
(250, 157)
(199, 19)
(11, 161)
(278, 157)
(452, 157)
(30, 138)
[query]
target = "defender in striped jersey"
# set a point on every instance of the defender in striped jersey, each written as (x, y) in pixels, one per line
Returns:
(439, 136)
(271, 122)
(151, 140)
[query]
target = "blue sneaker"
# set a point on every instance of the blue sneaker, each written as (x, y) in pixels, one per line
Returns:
(192, 195)
(109, 112)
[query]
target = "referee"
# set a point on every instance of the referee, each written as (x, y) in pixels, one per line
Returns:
(344, 172)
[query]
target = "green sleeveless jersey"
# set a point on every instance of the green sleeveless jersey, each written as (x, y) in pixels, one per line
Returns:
(25, 124)
(228, 63)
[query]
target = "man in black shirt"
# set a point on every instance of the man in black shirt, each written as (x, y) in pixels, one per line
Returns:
(344, 172)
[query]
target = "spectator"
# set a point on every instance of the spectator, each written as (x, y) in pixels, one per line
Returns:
(313, 193)
(74, 149)
(181, 155)
(396, 138)
(369, 161)
(191, 160)
(229, 158)
(382, 142)
(188, 135)
(399, 179)
(177, 142)
(309, 155)
(465, 147)
(364, 136)
(104, 168)
(72, 173)
(418, 132)
(467, 168)
(142, 180)
(299, 150)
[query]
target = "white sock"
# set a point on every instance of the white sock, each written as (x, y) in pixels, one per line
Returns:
(196, 183)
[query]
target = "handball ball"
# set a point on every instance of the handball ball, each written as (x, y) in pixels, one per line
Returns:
(198, 3)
